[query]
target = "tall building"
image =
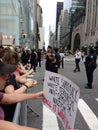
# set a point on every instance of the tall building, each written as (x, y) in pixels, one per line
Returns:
(58, 12)
(63, 30)
(77, 4)
(67, 5)
(85, 34)
(30, 8)
(35, 12)
(41, 29)
(52, 36)
(9, 22)
(41, 41)
(19, 23)
(24, 24)
(39, 16)
(91, 22)
(15, 22)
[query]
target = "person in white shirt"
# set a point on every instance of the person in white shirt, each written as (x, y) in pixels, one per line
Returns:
(77, 60)
(62, 59)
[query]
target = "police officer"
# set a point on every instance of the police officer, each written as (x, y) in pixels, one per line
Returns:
(90, 65)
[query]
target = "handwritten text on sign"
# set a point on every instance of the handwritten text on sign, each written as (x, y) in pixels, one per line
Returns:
(61, 97)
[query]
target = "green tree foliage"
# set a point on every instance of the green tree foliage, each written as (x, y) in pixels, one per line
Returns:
(96, 48)
(84, 49)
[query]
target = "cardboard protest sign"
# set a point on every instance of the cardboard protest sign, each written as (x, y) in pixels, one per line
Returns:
(61, 97)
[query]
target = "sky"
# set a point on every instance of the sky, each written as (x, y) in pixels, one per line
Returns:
(49, 14)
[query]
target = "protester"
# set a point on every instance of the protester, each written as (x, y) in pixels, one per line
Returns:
(5, 70)
(56, 61)
(13, 98)
(77, 60)
(13, 87)
(24, 57)
(33, 60)
(1, 51)
(90, 66)
(13, 82)
(28, 53)
(1, 48)
(39, 58)
(49, 59)
(12, 57)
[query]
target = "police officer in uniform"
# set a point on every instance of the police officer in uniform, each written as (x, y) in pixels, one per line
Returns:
(90, 66)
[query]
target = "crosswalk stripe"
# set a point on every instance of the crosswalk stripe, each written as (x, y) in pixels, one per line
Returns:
(96, 99)
(88, 115)
(49, 120)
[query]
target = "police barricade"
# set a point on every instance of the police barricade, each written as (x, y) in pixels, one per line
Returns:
(20, 114)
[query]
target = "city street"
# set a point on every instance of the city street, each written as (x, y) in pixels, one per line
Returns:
(87, 114)
(30, 29)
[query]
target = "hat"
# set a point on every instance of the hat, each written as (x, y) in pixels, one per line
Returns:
(7, 68)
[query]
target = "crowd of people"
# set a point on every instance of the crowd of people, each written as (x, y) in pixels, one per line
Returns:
(32, 57)
(53, 59)
(13, 84)
(14, 81)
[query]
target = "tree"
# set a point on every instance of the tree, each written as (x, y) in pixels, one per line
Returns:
(96, 48)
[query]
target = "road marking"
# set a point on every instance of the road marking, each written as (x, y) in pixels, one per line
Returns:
(49, 120)
(96, 99)
(88, 115)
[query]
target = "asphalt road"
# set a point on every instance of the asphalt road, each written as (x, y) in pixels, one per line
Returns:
(87, 114)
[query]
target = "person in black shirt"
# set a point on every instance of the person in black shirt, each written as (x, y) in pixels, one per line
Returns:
(39, 58)
(57, 60)
(49, 58)
(5, 70)
(90, 66)
(33, 60)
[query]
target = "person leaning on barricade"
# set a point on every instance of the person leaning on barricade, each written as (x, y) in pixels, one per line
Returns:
(12, 57)
(12, 84)
(5, 70)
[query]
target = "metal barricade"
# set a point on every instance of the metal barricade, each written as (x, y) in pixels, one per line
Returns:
(16, 116)
(20, 114)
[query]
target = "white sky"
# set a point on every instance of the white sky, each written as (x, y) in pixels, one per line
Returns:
(49, 14)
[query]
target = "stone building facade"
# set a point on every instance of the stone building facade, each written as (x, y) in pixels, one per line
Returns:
(86, 32)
